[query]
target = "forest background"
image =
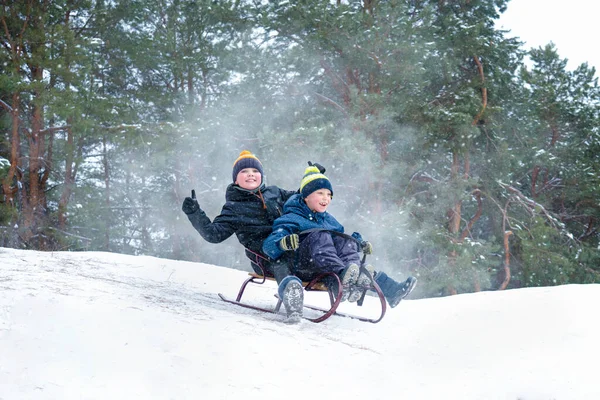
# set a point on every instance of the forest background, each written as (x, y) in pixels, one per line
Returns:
(461, 163)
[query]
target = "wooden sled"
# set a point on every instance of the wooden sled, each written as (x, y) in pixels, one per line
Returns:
(314, 285)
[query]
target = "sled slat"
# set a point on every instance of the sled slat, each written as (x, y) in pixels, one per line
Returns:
(317, 286)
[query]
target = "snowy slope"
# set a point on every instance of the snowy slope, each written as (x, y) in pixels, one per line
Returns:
(108, 326)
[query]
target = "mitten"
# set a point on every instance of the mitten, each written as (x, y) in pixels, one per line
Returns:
(290, 242)
(190, 204)
(319, 167)
(367, 247)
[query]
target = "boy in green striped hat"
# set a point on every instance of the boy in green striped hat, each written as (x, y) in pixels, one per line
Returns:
(321, 250)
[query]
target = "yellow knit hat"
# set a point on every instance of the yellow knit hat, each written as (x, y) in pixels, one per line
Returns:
(314, 180)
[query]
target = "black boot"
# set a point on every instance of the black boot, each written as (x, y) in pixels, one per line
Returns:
(394, 291)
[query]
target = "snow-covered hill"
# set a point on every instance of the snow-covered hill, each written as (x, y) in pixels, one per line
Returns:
(109, 326)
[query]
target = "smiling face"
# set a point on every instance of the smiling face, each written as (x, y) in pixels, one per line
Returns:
(319, 200)
(248, 178)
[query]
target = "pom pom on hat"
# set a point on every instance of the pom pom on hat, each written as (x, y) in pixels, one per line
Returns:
(246, 160)
(314, 180)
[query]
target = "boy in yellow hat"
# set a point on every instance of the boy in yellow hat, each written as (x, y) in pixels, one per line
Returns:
(321, 251)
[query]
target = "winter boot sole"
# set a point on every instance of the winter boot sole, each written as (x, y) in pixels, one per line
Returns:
(349, 280)
(362, 284)
(293, 301)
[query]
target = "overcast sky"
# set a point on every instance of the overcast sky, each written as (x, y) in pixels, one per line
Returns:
(572, 25)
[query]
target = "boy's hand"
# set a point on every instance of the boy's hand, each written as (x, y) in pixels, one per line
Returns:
(367, 247)
(290, 242)
(190, 204)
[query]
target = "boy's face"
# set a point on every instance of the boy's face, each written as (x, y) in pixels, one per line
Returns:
(248, 178)
(319, 200)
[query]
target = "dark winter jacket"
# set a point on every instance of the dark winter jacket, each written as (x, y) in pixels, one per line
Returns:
(248, 214)
(297, 218)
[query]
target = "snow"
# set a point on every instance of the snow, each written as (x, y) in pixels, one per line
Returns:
(92, 325)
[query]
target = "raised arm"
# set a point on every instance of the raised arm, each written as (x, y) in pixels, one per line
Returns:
(223, 226)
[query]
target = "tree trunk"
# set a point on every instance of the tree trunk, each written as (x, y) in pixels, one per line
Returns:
(9, 189)
(34, 208)
(555, 133)
(69, 180)
(146, 243)
(454, 215)
(506, 265)
(106, 192)
(455, 212)
(70, 170)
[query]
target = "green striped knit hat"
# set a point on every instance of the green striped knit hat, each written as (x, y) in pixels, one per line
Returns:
(314, 180)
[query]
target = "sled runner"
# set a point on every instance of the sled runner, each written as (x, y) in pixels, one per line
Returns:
(317, 284)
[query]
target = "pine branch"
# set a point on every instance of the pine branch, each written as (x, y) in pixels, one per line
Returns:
(532, 205)
(330, 101)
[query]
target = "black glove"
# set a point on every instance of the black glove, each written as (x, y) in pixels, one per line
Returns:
(190, 204)
(319, 167)
(290, 242)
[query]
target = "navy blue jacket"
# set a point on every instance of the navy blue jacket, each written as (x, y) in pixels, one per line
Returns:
(297, 217)
(245, 214)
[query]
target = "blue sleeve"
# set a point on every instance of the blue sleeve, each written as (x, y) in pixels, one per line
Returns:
(332, 224)
(358, 237)
(281, 227)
